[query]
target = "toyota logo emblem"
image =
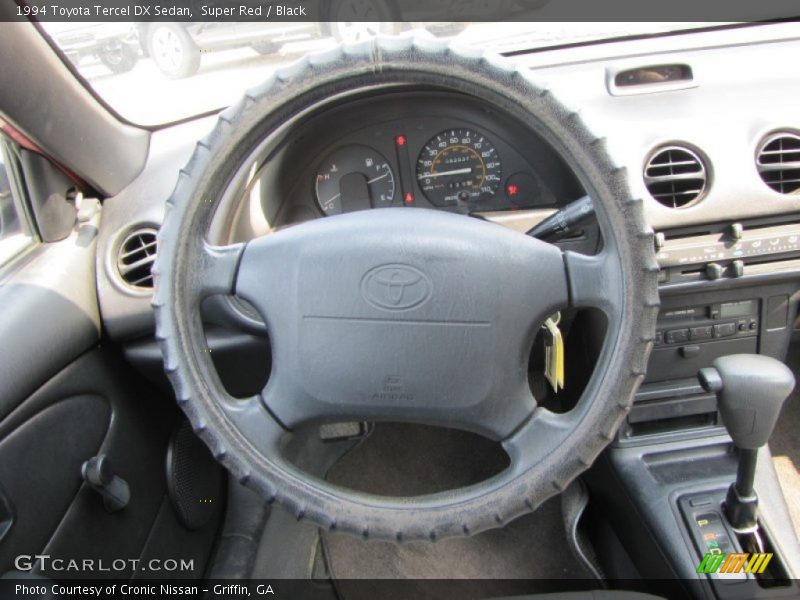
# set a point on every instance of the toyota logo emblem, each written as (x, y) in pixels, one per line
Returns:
(396, 287)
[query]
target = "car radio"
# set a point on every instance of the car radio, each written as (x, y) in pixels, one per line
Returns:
(688, 338)
(711, 322)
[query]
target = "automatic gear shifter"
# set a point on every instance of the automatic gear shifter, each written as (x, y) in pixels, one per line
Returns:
(750, 391)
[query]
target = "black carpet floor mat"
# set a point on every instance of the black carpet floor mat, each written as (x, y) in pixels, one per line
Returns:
(411, 460)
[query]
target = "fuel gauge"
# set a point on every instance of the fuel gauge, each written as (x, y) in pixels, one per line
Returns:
(354, 178)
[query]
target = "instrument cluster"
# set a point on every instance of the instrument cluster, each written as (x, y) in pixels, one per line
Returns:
(458, 169)
(423, 149)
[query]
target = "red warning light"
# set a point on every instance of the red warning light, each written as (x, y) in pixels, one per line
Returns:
(409, 198)
(400, 140)
(512, 190)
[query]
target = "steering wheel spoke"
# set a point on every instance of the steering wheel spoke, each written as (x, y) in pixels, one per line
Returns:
(216, 269)
(254, 421)
(542, 433)
(595, 281)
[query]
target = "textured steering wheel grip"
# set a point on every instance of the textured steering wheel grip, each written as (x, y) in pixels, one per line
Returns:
(353, 68)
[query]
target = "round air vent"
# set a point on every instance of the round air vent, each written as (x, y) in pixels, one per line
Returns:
(778, 162)
(136, 256)
(675, 176)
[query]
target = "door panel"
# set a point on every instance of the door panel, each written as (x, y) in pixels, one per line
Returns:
(49, 315)
(40, 465)
(65, 397)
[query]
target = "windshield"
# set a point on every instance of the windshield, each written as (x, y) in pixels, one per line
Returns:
(155, 73)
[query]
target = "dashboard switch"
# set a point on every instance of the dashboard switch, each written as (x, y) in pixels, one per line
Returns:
(676, 336)
(700, 333)
(737, 268)
(724, 329)
(714, 270)
(696, 501)
(689, 351)
(737, 231)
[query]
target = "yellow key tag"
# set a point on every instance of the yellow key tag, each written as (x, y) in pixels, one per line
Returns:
(554, 353)
(549, 358)
(559, 352)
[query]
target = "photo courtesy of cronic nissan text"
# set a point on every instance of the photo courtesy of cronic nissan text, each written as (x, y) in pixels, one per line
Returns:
(399, 300)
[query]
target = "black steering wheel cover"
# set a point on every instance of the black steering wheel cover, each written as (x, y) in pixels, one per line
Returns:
(348, 69)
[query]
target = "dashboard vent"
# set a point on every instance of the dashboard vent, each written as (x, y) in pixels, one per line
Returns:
(675, 176)
(778, 162)
(136, 256)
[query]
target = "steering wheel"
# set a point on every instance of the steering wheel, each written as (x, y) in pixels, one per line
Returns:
(403, 314)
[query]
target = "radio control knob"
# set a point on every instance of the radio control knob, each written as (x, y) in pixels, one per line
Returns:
(714, 270)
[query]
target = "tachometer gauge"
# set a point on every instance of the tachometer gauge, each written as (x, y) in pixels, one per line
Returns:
(458, 166)
(354, 178)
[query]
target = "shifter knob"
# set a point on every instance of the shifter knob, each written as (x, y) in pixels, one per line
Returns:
(751, 390)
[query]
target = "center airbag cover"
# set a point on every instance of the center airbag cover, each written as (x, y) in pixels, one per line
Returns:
(402, 313)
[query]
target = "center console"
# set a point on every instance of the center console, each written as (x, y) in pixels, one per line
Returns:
(726, 289)
(730, 288)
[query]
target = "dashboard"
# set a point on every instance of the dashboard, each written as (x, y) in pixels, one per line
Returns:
(445, 151)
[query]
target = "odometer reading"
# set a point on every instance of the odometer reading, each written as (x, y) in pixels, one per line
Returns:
(458, 166)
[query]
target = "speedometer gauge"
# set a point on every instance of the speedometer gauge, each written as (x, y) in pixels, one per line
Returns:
(458, 166)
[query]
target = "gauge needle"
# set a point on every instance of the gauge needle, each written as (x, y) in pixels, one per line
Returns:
(329, 203)
(463, 171)
(378, 178)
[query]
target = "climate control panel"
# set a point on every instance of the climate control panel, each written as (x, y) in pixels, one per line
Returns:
(736, 244)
